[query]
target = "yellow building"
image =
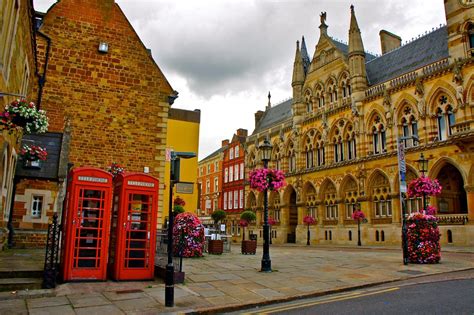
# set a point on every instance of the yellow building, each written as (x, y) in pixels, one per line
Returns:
(336, 139)
(183, 136)
(17, 79)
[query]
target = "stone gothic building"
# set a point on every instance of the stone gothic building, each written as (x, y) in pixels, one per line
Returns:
(336, 139)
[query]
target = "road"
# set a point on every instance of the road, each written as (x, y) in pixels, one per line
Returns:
(441, 294)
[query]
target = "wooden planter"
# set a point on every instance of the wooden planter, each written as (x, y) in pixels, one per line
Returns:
(215, 247)
(249, 247)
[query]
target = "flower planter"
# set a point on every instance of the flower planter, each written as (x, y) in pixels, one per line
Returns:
(249, 247)
(423, 239)
(35, 164)
(215, 247)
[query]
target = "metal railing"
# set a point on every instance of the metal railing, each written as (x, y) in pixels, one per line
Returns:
(51, 259)
(161, 258)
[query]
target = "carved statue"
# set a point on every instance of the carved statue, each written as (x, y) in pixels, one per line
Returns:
(386, 100)
(419, 89)
(457, 73)
(323, 17)
(460, 95)
(355, 112)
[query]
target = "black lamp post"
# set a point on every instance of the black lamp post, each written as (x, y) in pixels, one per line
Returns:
(174, 178)
(423, 168)
(266, 151)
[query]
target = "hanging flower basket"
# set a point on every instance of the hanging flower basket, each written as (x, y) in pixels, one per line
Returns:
(423, 186)
(264, 178)
(33, 156)
(115, 169)
(423, 239)
(309, 220)
(359, 216)
(23, 116)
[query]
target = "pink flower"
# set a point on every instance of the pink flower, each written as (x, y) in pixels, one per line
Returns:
(358, 215)
(309, 220)
(262, 179)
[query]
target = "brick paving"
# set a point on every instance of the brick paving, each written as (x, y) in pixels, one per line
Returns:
(231, 281)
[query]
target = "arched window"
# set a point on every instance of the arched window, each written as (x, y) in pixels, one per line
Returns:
(291, 158)
(350, 197)
(445, 117)
(382, 201)
(308, 101)
(350, 143)
(274, 206)
(338, 149)
(409, 127)
(311, 205)
(320, 155)
(276, 158)
(379, 140)
(470, 34)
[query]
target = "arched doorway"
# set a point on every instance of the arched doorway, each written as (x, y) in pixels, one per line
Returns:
(453, 197)
(293, 219)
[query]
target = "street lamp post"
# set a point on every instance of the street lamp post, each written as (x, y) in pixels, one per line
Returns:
(174, 178)
(266, 149)
(423, 168)
(403, 190)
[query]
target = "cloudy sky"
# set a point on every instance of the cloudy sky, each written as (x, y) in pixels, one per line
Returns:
(223, 56)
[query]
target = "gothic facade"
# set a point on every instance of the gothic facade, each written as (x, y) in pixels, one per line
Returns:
(337, 138)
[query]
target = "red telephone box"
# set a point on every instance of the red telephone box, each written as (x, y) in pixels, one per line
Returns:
(132, 254)
(86, 223)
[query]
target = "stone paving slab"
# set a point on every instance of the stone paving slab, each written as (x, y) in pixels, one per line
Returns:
(233, 280)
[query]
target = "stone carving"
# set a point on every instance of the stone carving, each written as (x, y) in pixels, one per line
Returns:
(460, 95)
(457, 73)
(387, 104)
(323, 17)
(355, 112)
(420, 93)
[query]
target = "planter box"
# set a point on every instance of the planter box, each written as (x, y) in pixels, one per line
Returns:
(215, 247)
(249, 247)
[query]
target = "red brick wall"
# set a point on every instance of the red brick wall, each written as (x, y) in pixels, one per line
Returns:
(30, 239)
(117, 101)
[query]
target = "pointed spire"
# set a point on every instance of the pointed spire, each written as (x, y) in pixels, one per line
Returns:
(298, 68)
(304, 55)
(355, 38)
(269, 105)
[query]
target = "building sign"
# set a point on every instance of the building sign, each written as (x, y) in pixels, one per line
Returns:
(141, 184)
(92, 179)
(184, 188)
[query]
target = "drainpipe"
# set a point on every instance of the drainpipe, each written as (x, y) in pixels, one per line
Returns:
(11, 229)
(42, 78)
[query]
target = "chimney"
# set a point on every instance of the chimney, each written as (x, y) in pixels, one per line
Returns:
(258, 117)
(242, 132)
(225, 143)
(389, 41)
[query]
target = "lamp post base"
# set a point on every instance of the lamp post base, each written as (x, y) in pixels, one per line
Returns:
(169, 286)
(266, 265)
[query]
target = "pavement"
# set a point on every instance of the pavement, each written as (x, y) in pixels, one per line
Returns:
(229, 282)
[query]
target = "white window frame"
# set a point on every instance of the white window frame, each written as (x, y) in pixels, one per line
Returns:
(208, 186)
(236, 172)
(236, 199)
(231, 153)
(242, 168)
(35, 201)
(241, 199)
(230, 200)
(236, 151)
(231, 173)
(226, 175)
(225, 200)
(216, 184)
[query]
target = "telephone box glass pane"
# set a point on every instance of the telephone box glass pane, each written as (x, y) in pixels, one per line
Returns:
(89, 231)
(138, 231)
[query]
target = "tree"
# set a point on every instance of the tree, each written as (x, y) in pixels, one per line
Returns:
(218, 216)
(246, 218)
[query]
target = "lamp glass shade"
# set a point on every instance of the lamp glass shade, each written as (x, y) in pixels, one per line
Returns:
(422, 164)
(266, 150)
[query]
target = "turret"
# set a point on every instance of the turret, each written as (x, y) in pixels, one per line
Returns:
(356, 57)
(297, 84)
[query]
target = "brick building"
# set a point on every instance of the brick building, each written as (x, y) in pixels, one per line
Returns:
(210, 182)
(107, 101)
(17, 79)
(233, 181)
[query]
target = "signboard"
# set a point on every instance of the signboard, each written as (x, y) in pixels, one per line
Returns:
(402, 166)
(184, 188)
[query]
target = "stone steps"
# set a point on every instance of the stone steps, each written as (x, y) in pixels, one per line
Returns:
(15, 284)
